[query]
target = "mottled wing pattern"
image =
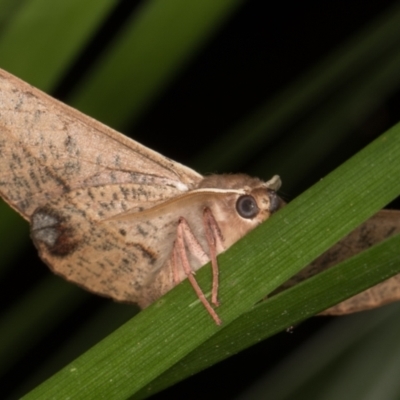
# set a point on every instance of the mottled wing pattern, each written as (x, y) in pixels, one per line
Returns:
(68, 175)
(48, 149)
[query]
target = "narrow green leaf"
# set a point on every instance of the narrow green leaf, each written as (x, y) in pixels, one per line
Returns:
(286, 309)
(41, 37)
(348, 354)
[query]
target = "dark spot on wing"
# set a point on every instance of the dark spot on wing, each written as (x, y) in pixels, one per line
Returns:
(51, 228)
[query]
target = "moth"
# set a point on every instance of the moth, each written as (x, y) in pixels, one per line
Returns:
(111, 215)
(125, 222)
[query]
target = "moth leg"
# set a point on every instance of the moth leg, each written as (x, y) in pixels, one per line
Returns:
(214, 238)
(196, 249)
(174, 263)
(184, 231)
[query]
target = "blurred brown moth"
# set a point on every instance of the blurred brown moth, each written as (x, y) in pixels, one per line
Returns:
(384, 224)
(110, 214)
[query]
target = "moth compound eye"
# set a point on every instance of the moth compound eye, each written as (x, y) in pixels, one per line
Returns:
(247, 207)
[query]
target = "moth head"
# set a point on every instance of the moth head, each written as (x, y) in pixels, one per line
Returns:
(247, 202)
(259, 204)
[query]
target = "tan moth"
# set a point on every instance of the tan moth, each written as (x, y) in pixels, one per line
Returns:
(125, 222)
(110, 214)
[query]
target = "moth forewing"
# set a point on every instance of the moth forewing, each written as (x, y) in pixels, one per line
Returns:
(48, 149)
